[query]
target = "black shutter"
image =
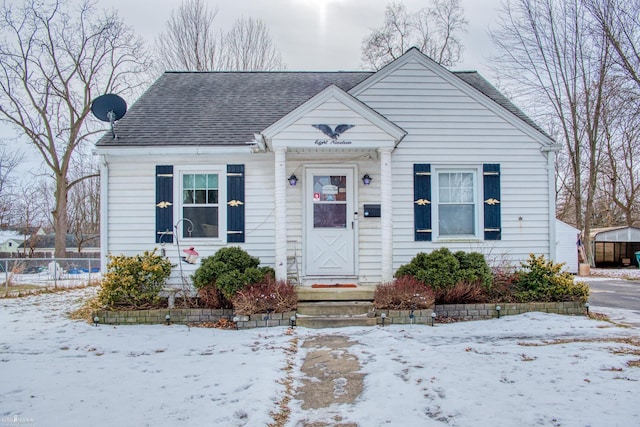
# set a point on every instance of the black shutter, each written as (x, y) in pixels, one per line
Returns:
(422, 201)
(164, 204)
(235, 203)
(492, 216)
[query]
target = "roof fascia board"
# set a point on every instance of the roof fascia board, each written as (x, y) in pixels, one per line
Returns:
(114, 150)
(448, 76)
(332, 91)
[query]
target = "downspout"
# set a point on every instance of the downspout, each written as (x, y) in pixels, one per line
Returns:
(104, 215)
(280, 183)
(549, 151)
(386, 189)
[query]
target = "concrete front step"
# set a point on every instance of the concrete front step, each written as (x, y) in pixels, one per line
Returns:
(335, 308)
(359, 293)
(316, 322)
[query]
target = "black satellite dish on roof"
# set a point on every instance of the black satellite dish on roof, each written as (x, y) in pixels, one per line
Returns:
(109, 108)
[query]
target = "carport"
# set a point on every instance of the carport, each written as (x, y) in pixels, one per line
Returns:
(615, 246)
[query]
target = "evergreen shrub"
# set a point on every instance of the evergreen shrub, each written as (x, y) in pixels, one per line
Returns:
(542, 280)
(134, 281)
(229, 270)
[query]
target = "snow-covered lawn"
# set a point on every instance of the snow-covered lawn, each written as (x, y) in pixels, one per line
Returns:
(533, 369)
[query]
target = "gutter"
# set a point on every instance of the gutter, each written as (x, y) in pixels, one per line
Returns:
(549, 151)
(104, 224)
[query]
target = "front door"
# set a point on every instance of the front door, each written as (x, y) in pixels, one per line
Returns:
(329, 222)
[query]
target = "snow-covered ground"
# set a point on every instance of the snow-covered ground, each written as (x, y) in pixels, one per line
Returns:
(502, 372)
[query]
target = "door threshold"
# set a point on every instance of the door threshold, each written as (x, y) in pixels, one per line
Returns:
(330, 281)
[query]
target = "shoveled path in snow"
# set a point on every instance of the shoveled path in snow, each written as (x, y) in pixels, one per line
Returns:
(331, 377)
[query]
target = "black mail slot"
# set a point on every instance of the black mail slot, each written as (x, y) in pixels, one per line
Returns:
(372, 211)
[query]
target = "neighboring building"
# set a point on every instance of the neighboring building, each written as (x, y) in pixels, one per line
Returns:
(567, 242)
(615, 246)
(11, 241)
(382, 165)
(45, 245)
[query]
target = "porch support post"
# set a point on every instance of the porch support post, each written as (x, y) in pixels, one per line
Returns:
(281, 213)
(386, 212)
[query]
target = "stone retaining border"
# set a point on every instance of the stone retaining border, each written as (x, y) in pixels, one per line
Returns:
(478, 311)
(185, 316)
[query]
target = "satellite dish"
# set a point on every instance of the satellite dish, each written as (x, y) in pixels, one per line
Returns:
(109, 108)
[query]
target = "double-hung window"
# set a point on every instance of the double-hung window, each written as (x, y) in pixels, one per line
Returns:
(457, 203)
(201, 192)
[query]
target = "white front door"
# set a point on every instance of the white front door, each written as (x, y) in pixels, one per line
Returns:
(329, 236)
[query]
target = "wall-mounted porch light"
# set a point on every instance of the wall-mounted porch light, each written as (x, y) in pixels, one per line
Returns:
(293, 180)
(366, 179)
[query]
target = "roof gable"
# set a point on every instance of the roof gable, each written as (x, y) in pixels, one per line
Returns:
(470, 83)
(393, 133)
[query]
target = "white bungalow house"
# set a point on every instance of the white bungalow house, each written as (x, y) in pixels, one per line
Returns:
(340, 176)
(11, 241)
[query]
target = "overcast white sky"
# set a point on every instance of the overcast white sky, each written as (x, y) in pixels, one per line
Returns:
(317, 34)
(312, 35)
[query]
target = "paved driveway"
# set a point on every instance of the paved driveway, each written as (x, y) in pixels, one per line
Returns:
(615, 293)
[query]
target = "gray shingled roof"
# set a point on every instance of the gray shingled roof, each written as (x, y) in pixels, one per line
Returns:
(219, 108)
(227, 108)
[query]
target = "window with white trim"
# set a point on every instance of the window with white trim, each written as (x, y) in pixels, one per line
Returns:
(200, 194)
(457, 203)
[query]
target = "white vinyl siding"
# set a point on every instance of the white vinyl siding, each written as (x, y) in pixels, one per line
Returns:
(447, 127)
(131, 208)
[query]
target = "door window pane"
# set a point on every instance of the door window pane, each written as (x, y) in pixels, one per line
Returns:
(329, 201)
(330, 215)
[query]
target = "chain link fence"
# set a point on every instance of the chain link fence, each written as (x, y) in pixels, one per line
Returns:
(19, 276)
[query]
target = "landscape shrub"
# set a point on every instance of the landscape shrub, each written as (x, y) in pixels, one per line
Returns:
(437, 269)
(404, 293)
(228, 270)
(542, 280)
(461, 293)
(211, 297)
(473, 269)
(503, 285)
(271, 295)
(134, 281)
(442, 269)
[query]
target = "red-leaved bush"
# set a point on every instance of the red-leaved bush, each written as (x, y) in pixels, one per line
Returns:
(504, 285)
(211, 297)
(273, 295)
(404, 293)
(461, 293)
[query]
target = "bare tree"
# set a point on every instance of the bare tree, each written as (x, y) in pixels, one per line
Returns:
(549, 50)
(190, 41)
(619, 21)
(248, 47)
(9, 161)
(620, 172)
(434, 30)
(28, 213)
(84, 206)
(53, 61)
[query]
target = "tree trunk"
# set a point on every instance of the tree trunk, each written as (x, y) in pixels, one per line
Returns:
(60, 219)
